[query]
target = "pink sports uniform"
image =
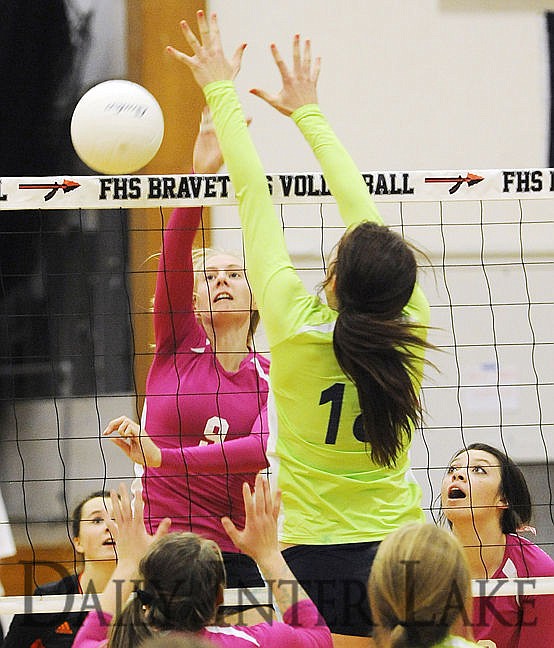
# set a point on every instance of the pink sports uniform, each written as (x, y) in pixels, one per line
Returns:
(208, 422)
(302, 627)
(524, 621)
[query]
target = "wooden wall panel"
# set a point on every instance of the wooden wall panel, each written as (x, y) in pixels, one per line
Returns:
(152, 25)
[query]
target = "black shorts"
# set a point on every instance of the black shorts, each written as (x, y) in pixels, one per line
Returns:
(335, 577)
(241, 570)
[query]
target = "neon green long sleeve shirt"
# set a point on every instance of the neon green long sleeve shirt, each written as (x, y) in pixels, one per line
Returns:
(332, 491)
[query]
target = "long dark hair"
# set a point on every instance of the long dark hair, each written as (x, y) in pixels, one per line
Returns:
(129, 628)
(375, 275)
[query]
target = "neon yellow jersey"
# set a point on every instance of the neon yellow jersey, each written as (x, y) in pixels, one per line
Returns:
(332, 491)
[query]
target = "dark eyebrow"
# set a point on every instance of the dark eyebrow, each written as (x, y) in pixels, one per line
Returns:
(475, 462)
(94, 514)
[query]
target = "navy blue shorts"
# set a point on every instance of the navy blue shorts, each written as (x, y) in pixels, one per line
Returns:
(335, 577)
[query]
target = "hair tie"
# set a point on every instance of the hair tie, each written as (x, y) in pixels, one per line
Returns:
(527, 529)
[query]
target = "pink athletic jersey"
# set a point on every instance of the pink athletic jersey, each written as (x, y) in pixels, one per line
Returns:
(208, 422)
(302, 627)
(524, 621)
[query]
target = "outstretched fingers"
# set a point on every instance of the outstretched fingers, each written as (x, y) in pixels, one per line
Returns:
(276, 502)
(279, 62)
(315, 70)
(296, 57)
(190, 37)
(307, 59)
(208, 64)
(236, 60)
(231, 530)
(163, 529)
(124, 426)
(203, 26)
(299, 82)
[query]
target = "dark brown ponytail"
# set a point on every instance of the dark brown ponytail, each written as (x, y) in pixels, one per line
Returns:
(375, 274)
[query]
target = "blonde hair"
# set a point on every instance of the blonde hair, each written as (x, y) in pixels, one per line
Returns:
(200, 256)
(418, 587)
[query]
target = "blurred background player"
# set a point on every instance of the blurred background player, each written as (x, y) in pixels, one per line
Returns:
(94, 543)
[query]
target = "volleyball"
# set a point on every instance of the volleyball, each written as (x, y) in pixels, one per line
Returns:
(117, 127)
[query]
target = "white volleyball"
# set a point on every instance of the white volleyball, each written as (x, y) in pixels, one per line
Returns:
(117, 127)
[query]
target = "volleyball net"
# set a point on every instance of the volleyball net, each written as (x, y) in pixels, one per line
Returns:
(76, 322)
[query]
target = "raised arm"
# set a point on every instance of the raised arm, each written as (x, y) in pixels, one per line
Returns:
(132, 541)
(259, 540)
(173, 299)
(173, 302)
(265, 250)
(298, 99)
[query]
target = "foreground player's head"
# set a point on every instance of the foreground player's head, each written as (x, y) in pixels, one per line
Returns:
(183, 582)
(419, 587)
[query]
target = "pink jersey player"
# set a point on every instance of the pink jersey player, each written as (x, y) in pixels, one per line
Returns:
(193, 401)
(204, 426)
(179, 581)
(486, 500)
(523, 620)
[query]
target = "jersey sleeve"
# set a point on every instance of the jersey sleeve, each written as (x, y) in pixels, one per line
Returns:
(242, 455)
(302, 627)
(341, 173)
(173, 300)
(275, 284)
(94, 631)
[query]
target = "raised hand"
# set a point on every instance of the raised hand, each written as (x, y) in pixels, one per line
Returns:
(208, 62)
(258, 539)
(134, 442)
(127, 528)
(299, 85)
(207, 156)
(131, 543)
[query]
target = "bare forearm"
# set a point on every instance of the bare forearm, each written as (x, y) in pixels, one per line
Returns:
(286, 589)
(120, 587)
